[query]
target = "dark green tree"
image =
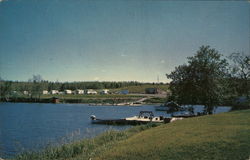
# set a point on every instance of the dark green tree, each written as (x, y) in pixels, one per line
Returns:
(240, 73)
(201, 81)
(37, 86)
(6, 89)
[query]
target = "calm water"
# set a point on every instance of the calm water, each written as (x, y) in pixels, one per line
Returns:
(32, 126)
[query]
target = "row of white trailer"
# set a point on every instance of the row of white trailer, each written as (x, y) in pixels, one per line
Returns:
(68, 91)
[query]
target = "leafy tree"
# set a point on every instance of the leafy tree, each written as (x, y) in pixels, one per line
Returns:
(5, 89)
(240, 73)
(37, 86)
(200, 81)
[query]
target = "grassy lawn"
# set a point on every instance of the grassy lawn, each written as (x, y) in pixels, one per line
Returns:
(221, 136)
(141, 88)
(155, 100)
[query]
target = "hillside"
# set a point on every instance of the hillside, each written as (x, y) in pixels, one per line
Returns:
(136, 92)
(222, 136)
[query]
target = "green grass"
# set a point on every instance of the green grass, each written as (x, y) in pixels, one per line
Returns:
(155, 100)
(221, 136)
(103, 99)
(109, 98)
(84, 149)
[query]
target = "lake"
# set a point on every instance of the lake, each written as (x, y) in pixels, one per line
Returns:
(33, 126)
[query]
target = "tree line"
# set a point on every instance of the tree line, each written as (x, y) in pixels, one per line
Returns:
(37, 84)
(210, 79)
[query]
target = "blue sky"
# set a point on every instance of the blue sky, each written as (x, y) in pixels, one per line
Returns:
(114, 40)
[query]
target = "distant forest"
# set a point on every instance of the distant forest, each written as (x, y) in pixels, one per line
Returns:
(37, 84)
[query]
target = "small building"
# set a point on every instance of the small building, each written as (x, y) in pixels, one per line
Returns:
(54, 92)
(55, 100)
(68, 91)
(45, 92)
(151, 91)
(90, 91)
(104, 91)
(124, 92)
(60, 92)
(25, 92)
(79, 91)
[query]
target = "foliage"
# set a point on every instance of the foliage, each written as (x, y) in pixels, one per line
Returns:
(155, 100)
(5, 89)
(37, 86)
(240, 73)
(201, 81)
(242, 106)
(84, 149)
(61, 86)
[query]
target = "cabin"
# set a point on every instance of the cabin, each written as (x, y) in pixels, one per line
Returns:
(90, 91)
(104, 91)
(151, 90)
(54, 91)
(124, 92)
(79, 91)
(68, 91)
(45, 92)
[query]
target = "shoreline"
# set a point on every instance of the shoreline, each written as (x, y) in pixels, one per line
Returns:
(99, 141)
(133, 139)
(92, 101)
(89, 104)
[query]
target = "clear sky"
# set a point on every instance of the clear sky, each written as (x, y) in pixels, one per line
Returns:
(114, 40)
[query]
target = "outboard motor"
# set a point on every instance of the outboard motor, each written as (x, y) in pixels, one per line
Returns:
(93, 117)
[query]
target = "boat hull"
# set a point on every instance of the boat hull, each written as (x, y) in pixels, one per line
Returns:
(183, 116)
(125, 122)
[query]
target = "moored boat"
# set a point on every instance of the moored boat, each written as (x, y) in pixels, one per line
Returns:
(144, 117)
(167, 106)
(183, 114)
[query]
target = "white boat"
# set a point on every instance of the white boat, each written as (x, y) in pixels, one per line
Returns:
(144, 117)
